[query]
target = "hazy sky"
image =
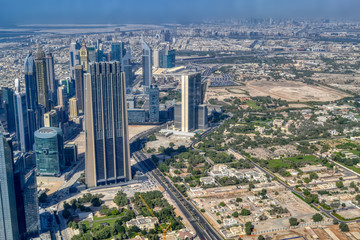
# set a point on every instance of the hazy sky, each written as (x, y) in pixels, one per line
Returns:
(162, 11)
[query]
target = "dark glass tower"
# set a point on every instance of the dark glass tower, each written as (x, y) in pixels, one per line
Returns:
(21, 119)
(107, 138)
(79, 88)
(117, 51)
(50, 76)
(31, 95)
(9, 228)
(8, 100)
(41, 79)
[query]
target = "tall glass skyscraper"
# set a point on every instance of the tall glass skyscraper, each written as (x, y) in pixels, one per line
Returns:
(117, 51)
(31, 95)
(79, 88)
(146, 66)
(8, 101)
(153, 104)
(21, 119)
(191, 97)
(107, 138)
(50, 76)
(41, 78)
(74, 57)
(49, 150)
(9, 229)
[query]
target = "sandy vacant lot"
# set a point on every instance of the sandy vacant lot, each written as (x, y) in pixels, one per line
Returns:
(221, 93)
(292, 91)
(350, 213)
(135, 129)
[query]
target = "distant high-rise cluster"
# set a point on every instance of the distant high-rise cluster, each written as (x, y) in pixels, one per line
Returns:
(164, 57)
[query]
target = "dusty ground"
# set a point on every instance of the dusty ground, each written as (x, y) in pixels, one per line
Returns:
(351, 213)
(165, 141)
(135, 129)
(267, 154)
(51, 183)
(220, 93)
(292, 91)
(343, 81)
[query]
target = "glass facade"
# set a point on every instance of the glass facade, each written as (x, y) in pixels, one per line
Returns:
(109, 123)
(49, 150)
(8, 212)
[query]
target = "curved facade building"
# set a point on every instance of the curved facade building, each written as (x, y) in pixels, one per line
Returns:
(49, 150)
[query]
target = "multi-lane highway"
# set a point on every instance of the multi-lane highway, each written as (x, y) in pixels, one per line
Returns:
(203, 229)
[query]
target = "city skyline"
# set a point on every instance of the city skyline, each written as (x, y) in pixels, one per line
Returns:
(162, 11)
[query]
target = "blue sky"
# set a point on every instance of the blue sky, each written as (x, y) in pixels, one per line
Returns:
(162, 11)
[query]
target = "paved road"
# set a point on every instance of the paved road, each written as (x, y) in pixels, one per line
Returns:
(203, 229)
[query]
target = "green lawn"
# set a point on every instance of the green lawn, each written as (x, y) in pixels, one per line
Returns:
(274, 163)
(355, 169)
(87, 224)
(252, 104)
(96, 218)
(110, 221)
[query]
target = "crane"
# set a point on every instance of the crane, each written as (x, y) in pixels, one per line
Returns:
(152, 214)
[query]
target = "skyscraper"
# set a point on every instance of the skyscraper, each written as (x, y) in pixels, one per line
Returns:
(51, 119)
(41, 78)
(8, 100)
(31, 95)
(73, 107)
(117, 51)
(21, 119)
(156, 58)
(26, 199)
(92, 54)
(50, 76)
(167, 58)
(84, 56)
(153, 104)
(146, 66)
(79, 88)
(126, 67)
(74, 56)
(9, 229)
(62, 98)
(164, 57)
(49, 150)
(107, 138)
(190, 99)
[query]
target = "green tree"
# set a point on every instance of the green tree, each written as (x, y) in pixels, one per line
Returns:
(261, 237)
(344, 227)
(293, 222)
(42, 198)
(339, 184)
(96, 202)
(152, 137)
(121, 199)
(248, 228)
(240, 199)
(317, 217)
(222, 204)
(66, 213)
(235, 214)
(245, 212)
